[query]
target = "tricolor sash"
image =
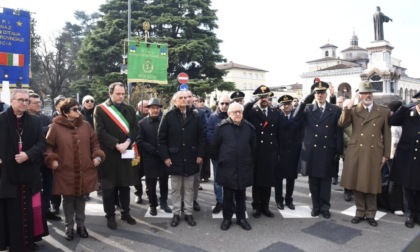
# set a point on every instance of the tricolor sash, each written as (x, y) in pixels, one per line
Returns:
(116, 117)
(122, 123)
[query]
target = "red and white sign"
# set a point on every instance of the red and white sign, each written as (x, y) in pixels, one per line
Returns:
(183, 78)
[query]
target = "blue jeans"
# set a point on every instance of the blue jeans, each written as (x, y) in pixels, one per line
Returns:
(218, 189)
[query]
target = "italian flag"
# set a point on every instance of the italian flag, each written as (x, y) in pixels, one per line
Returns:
(12, 59)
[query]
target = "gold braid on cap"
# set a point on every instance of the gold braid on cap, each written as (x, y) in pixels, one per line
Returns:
(263, 88)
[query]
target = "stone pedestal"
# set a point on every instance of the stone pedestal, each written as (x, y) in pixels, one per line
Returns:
(379, 54)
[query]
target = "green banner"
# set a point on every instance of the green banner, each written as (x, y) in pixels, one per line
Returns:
(147, 62)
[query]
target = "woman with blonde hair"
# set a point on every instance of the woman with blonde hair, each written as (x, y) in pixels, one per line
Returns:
(73, 153)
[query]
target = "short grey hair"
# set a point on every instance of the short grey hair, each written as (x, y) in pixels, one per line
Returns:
(18, 91)
(234, 106)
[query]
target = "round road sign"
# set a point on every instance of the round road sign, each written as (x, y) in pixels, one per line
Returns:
(183, 78)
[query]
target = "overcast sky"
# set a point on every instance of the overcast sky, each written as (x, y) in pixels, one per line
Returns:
(277, 36)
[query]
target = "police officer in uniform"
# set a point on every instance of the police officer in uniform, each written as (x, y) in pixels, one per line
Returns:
(266, 122)
(238, 96)
(291, 137)
(322, 143)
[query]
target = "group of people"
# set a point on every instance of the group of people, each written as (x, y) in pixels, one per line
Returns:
(45, 161)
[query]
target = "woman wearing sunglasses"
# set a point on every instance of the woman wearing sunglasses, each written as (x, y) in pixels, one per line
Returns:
(73, 153)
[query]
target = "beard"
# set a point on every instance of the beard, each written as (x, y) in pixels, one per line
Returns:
(367, 102)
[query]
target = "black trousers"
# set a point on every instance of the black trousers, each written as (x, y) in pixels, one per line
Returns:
(139, 186)
(278, 190)
(108, 199)
(320, 189)
(47, 184)
(413, 201)
(229, 197)
(151, 190)
(260, 197)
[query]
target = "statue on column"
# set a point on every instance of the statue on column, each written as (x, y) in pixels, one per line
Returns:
(378, 22)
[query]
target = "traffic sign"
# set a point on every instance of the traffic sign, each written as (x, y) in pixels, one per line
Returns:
(183, 87)
(183, 78)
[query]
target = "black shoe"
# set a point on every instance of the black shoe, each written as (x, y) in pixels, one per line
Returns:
(86, 197)
(111, 223)
(314, 213)
(244, 224)
(356, 220)
(175, 220)
(217, 208)
(138, 200)
(190, 220)
(256, 213)
(335, 181)
(372, 222)
(196, 206)
(409, 222)
(99, 193)
(34, 247)
(200, 188)
(280, 205)
(52, 217)
(153, 211)
(82, 232)
(225, 224)
(267, 213)
(347, 195)
(127, 217)
(165, 208)
(206, 180)
(69, 234)
(291, 206)
(326, 214)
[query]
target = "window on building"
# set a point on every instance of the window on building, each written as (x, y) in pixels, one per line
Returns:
(244, 74)
(326, 54)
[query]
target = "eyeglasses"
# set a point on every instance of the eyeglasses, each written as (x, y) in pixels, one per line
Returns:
(20, 100)
(89, 101)
(236, 112)
(37, 103)
(224, 103)
(75, 109)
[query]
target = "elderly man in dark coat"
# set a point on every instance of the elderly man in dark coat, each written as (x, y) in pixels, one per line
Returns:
(406, 166)
(154, 167)
(117, 129)
(266, 122)
(290, 143)
(322, 143)
(367, 151)
(233, 144)
(21, 145)
(181, 139)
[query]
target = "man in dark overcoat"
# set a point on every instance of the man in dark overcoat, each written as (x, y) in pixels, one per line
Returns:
(266, 122)
(117, 129)
(22, 143)
(322, 144)
(367, 151)
(406, 166)
(181, 140)
(153, 165)
(289, 150)
(232, 146)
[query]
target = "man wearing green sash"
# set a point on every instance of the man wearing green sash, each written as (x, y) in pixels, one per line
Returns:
(117, 129)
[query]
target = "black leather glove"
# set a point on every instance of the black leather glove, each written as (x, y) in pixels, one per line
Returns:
(309, 99)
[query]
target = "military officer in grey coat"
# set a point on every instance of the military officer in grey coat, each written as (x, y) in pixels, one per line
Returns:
(322, 143)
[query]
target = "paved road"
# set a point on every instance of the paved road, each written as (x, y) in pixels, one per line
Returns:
(277, 234)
